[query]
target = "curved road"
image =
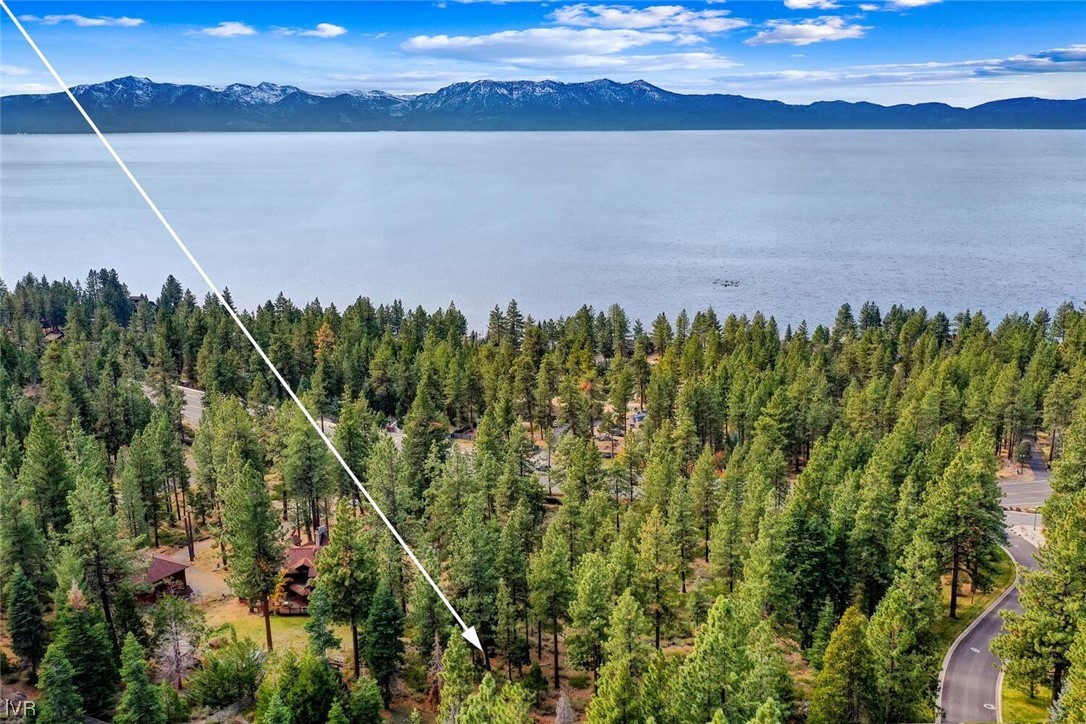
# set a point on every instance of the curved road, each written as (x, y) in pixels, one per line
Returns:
(970, 679)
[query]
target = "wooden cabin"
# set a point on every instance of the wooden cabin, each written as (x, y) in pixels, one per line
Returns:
(300, 571)
(163, 577)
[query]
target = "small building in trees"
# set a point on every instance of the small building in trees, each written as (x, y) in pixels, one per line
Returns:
(299, 576)
(162, 577)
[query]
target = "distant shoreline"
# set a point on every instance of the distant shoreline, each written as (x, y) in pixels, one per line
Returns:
(139, 105)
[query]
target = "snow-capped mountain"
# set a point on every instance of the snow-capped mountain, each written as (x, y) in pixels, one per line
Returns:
(134, 104)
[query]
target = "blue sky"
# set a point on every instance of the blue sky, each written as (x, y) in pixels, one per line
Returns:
(887, 51)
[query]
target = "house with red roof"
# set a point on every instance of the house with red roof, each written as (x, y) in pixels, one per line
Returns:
(162, 577)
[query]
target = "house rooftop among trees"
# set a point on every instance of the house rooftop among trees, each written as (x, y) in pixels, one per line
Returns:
(163, 577)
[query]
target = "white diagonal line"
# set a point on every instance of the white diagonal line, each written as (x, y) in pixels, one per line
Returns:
(469, 632)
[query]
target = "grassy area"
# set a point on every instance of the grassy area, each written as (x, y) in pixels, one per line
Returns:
(287, 631)
(969, 607)
(1020, 708)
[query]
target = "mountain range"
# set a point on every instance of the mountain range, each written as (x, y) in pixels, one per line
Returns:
(139, 105)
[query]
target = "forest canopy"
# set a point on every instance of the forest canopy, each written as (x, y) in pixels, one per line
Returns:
(684, 520)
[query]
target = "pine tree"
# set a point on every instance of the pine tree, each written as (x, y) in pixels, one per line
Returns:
(177, 709)
(727, 547)
(276, 712)
(964, 518)
(383, 648)
(1069, 471)
(59, 701)
(820, 639)
(1035, 644)
(251, 530)
(130, 504)
(21, 541)
(845, 686)
(305, 467)
(45, 476)
(705, 494)
(473, 569)
(657, 563)
(227, 674)
(626, 657)
(712, 674)
(427, 613)
(356, 434)
(682, 528)
(551, 584)
(94, 537)
(770, 712)
(307, 685)
(140, 702)
(661, 470)
(805, 539)
(426, 431)
(348, 574)
(767, 678)
(446, 498)
(82, 637)
(366, 702)
(25, 624)
(318, 625)
(486, 705)
(506, 638)
(139, 477)
(457, 679)
(766, 585)
(659, 688)
(336, 714)
(1071, 705)
(589, 614)
(904, 650)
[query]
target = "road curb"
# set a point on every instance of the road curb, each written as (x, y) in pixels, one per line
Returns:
(999, 679)
(999, 698)
(953, 647)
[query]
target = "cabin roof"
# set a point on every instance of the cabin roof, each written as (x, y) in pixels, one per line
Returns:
(298, 556)
(161, 568)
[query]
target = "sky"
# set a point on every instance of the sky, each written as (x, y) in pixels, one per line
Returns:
(962, 52)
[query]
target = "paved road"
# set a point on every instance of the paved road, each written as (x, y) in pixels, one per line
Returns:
(192, 405)
(970, 679)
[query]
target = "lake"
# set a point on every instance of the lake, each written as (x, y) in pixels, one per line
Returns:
(789, 222)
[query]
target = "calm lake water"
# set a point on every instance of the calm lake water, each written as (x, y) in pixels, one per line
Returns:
(789, 222)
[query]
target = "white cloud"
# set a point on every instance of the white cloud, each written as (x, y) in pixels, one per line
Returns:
(381, 79)
(658, 17)
(1071, 59)
(894, 5)
(84, 21)
(810, 4)
(229, 29)
(14, 70)
(21, 88)
(510, 45)
(323, 30)
(632, 63)
(806, 32)
(566, 49)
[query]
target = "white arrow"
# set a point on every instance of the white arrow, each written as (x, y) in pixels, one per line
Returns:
(469, 633)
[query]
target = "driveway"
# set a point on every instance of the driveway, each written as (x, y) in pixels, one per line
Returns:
(970, 679)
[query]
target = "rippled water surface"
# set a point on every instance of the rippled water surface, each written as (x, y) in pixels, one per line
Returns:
(789, 222)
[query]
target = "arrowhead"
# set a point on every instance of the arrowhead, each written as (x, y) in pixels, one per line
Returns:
(473, 638)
